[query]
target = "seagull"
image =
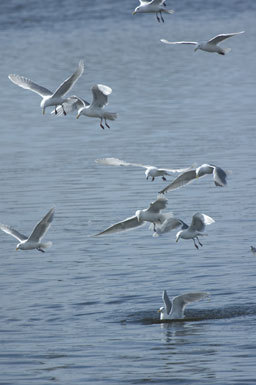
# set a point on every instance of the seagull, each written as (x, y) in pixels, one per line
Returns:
(210, 45)
(154, 6)
(196, 228)
(174, 309)
(219, 177)
(151, 171)
(49, 98)
(96, 109)
(151, 214)
(169, 224)
(34, 240)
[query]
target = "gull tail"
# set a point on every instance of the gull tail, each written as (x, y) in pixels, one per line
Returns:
(46, 245)
(170, 11)
(226, 50)
(110, 115)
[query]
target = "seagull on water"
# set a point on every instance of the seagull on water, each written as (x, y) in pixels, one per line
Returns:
(210, 45)
(151, 214)
(96, 109)
(219, 177)
(50, 98)
(34, 240)
(174, 309)
(151, 171)
(196, 228)
(154, 6)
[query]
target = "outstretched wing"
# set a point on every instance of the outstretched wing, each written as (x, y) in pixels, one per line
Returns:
(199, 221)
(181, 301)
(158, 205)
(118, 162)
(42, 227)
(217, 39)
(73, 103)
(178, 42)
(100, 94)
(167, 302)
(127, 224)
(14, 233)
(219, 177)
(169, 224)
(27, 84)
(180, 181)
(69, 82)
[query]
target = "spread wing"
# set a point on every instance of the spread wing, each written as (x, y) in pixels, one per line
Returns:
(69, 82)
(167, 302)
(158, 205)
(181, 301)
(169, 224)
(199, 221)
(27, 84)
(100, 95)
(219, 177)
(14, 233)
(180, 181)
(178, 42)
(118, 162)
(42, 227)
(127, 224)
(73, 104)
(217, 39)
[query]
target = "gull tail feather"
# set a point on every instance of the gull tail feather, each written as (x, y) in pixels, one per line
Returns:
(110, 116)
(226, 50)
(46, 245)
(170, 11)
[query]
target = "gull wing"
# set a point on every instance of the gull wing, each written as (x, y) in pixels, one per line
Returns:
(219, 177)
(69, 82)
(42, 227)
(180, 181)
(73, 103)
(27, 84)
(167, 302)
(173, 170)
(170, 224)
(179, 302)
(199, 221)
(158, 205)
(178, 42)
(217, 39)
(118, 162)
(100, 94)
(14, 233)
(127, 224)
(156, 2)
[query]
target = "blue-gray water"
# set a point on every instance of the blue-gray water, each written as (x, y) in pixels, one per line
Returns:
(85, 312)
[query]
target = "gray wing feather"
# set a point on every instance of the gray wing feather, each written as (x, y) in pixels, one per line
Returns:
(181, 301)
(27, 84)
(100, 94)
(217, 39)
(69, 82)
(158, 205)
(180, 181)
(9, 230)
(167, 302)
(42, 227)
(127, 224)
(118, 162)
(199, 221)
(178, 42)
(72, 104)
(219, 176)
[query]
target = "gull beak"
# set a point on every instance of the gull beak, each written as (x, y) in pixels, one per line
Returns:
(177, 239)
(134, 13)
(159, 311)
(43, 111)
(78, 116)
(17, 248)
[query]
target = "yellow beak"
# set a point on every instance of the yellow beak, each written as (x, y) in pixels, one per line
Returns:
(17, 249)
(78, 116)
(43, 111)
(134, 13)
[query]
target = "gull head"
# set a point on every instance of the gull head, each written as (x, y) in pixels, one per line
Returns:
(18, 246)
(139, 215)
(161, 310)
(79, 112)
(137, 9)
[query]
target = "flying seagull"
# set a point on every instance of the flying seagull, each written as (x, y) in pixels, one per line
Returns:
(174, 309)
(210, 45)
(49, 98)
(151, 214)
(151, 171)
(154, 6)
(34, 240)
(196, 228)
(219, 177)
(96, 109)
